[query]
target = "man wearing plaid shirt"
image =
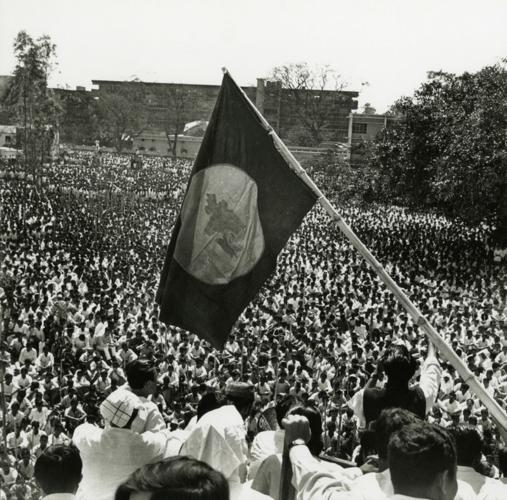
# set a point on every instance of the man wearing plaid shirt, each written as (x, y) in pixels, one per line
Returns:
(111, 454)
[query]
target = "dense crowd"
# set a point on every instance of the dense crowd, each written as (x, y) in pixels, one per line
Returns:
(80, 257)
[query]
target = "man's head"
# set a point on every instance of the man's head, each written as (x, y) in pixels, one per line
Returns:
(422, 462)
(241, 395)
(468, 445)
(58, 469)
(124, 410)
(43, 439)
(175, 477)
(25, 454)
(398, 364)
(390, 421)
(141, 377)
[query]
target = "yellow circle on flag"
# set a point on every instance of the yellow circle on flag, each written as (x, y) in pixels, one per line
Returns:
(221, 235)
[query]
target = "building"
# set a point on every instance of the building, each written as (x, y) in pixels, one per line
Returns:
(156, 143)
(8, 136)
(78, 123)
(193, 102)
(363, 128)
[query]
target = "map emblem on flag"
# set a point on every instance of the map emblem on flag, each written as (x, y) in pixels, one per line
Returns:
(221, 236)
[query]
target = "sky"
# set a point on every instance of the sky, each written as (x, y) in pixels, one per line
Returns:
(390, 44)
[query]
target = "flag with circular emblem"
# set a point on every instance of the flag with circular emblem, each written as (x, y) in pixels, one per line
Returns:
(242, 204)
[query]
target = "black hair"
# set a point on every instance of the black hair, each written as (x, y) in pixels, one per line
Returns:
(242, 404)
(139, 372)
(398, 364)
(502, 461)
(309, 411)
(389, 421)
(468, 444)
(417, 453)
(178, 477)
(207, 403)
(283, 405)
(58, 469)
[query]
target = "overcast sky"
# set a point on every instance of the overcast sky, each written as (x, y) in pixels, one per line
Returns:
(391, 44)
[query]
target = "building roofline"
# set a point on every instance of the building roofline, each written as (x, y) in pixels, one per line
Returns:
(351, 93)
(96, 82)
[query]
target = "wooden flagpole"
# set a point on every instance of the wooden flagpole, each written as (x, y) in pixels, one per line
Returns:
(468, 377)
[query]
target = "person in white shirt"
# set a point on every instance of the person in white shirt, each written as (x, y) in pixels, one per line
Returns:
(9, 387)
(23, 380)
(219, 439)
(27, 353)
(267, 443)
(57, 472)
(111, 454)
(39, 414)
(469, 451)
(142, 381)
(45, 360)
(421, 459)
(8, 474)
(267, 478)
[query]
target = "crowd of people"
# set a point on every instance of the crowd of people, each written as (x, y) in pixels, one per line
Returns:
(82, 242)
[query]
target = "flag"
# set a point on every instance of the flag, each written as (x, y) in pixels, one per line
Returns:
(241, 205)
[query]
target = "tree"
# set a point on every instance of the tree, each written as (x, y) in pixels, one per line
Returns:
(368, 109)
(312, 95)
(29, 101)
(180, 108)
(339, 179)
(122, 114)
(450, 149)
(78, 122)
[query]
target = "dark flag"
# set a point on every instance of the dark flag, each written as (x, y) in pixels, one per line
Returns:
(242, 204)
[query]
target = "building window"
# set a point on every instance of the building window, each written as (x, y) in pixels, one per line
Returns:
(153, 148)
(7, 139)
(359, 128)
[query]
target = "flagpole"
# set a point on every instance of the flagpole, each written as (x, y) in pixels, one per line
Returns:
(468, 377)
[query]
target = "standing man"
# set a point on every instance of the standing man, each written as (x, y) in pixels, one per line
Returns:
(219, 439)
(400, 367)
(111, 454)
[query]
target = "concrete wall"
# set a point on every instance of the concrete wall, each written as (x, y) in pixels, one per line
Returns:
(8, 136)
(157, 143)
(363, 128)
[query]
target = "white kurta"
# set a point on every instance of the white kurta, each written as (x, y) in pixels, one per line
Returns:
(110, 455)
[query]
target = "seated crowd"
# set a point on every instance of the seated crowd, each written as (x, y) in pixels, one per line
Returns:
(80, 257)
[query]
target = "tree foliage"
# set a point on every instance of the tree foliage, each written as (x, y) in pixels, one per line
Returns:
(122, 114)
(448, 150)
(308, 90)
(29, 101)
(339, 180)
(78, 122)
(180, 106)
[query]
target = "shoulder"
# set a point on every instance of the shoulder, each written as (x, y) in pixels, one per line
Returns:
(85, 434)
